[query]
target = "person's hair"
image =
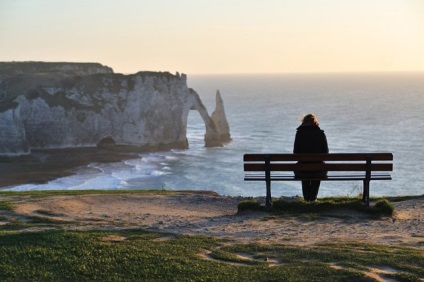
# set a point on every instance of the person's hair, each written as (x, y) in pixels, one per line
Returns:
(310, 119)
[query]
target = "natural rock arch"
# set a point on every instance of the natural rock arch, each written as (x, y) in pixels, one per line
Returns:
(212, 134)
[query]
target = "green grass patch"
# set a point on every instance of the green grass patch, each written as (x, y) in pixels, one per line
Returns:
(137, 255)
(355, 258)
(297, 206)
(384, 207)
(233, 258)
(250, 205)
(6, 206)
(321, 205)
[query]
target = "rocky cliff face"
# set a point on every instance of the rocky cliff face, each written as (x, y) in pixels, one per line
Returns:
(12, 133)
(143, 111)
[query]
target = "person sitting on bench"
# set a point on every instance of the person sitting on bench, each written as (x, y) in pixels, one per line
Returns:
(310, 139)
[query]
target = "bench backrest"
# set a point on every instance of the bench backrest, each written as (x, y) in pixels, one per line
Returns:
(326, 162)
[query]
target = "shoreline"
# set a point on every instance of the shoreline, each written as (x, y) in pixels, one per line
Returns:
(42, 166)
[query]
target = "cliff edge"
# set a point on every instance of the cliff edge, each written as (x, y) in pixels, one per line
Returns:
(71, 105)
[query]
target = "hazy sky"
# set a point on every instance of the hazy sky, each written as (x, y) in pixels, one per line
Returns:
(218, 36)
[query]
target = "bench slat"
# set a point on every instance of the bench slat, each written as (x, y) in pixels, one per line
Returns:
(328, 178)
(331, 174)
(319, 157)
(318, 167)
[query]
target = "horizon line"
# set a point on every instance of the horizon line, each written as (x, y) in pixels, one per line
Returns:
(309, 72)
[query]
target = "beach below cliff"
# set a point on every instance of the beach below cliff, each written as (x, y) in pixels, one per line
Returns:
(209, 214)
(43, 166)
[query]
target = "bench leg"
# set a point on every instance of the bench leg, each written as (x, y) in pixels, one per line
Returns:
(366, 193)
(268, 201)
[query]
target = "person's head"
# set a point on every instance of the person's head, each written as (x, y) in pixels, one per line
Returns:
(310, 119)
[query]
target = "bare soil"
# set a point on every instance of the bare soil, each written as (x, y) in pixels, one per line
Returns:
(213, 215)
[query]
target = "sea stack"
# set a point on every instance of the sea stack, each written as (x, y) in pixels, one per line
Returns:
(220, 120)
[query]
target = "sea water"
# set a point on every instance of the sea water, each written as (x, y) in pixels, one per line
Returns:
(358, 112)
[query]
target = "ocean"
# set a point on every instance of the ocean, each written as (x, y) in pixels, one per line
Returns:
(375, 112)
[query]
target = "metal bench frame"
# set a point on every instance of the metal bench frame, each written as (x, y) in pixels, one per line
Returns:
(339, 167)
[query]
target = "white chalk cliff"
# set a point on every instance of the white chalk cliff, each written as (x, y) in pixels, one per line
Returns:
(73, 106)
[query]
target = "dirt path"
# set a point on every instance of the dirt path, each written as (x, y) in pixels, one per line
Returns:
(214, 215)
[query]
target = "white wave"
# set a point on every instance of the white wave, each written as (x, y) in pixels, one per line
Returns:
(100, 182)
(171, 158)
(96, 166)
(158, 173)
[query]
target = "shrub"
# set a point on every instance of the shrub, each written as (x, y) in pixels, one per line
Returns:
(252, 205)
(321, 205)
(384, 207)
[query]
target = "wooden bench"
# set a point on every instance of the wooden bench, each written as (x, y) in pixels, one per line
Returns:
(340, 167)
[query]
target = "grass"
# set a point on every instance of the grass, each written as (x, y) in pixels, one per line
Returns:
(382, 207)
(353, 257)
(90, 255)
(139, 255)
(6, 206)
(252, 205)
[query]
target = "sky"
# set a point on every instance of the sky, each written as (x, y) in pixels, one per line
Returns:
(218, 36)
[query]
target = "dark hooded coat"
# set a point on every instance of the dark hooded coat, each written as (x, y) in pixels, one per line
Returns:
(310, 139)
